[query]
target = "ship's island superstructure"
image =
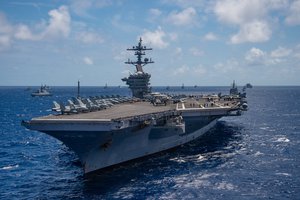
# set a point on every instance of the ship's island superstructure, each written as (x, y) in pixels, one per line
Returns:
(139, 81)
(105, 131)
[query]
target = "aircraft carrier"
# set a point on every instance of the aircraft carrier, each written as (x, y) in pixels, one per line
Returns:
(105, 131)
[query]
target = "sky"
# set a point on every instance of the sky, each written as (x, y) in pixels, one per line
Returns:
(199, 42)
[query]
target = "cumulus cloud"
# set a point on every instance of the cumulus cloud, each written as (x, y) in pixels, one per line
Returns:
(59, 23)
(185, 17)
(181, 70)
(81, 8)
(22, 32)
(196, 52)
(184, 69)
(281, 52)
(259, 57)
(173, 36)
(88, 61)
(6, 28)
(57, 26)
(89, 37)
(154, 12)
(5, 42)
(155, 38)
(185, 3)
(229, 66)
(6, 31)
(200, 70)
(239, 11)
(178, 51)
(252, 17)
(210, 37)
(256, 31)
(293, 17)
(255, 56)
(296, 52)
(121, 56)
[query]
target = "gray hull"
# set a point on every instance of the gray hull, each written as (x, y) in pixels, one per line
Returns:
(100, 149)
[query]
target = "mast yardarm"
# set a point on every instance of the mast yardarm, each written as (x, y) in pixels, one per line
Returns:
(139, 52)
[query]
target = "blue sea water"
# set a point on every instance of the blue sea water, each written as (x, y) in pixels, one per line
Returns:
(254, 156)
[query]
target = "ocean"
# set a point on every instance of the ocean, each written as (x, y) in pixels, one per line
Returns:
(253, 156)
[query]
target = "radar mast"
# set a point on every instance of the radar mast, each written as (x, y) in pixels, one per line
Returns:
(139, 52)
(139, 81)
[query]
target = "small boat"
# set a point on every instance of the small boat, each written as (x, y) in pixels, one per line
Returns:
(41, 92)
(248, 85)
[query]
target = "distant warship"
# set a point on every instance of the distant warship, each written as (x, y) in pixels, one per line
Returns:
(110, 130)
(43, 91)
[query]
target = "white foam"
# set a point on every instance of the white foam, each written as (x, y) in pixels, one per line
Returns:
(178, 160)
(258, 153)
(10, 167)
(201, 158)
(283, 174)
(193, 181)
(224, 186)
(282, 139)
(264, 128)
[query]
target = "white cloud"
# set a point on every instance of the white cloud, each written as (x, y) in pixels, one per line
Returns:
(59, 23)
(88, 61)
(239, 11)
(200, 70)
(154, 12)
(185, 3)
(296, 51)
(258, 57)
(122, 56)
(155, 38)
(173, 36)
(281, 52)
(5, 32)
(81, 8)
(229, 66)
(5, 42)
(181, 70)
(185, 17)
(255, 56)
(254, 18)
(89, 37)
(23, 32)
(196, 52)
(293, 17)
(210, 37)
(6, 28)
(184, 69)
(58, 26)
(256, 31)
(178, 51)
(154, 15)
